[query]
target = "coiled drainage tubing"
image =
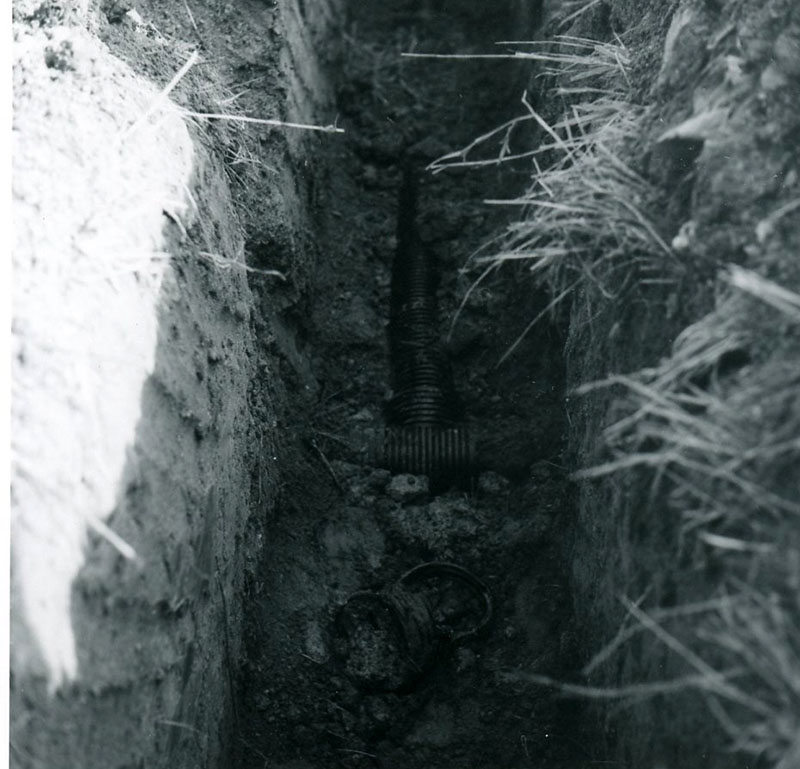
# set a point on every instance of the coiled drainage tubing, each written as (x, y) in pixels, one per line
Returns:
(386, 640)
(426, 435)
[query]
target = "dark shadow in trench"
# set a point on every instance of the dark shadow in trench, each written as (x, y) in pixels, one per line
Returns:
(341, 526)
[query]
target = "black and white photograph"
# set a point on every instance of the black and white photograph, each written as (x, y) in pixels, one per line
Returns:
(403, 384)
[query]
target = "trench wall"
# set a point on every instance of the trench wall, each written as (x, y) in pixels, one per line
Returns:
(143, 453)
(718, 188)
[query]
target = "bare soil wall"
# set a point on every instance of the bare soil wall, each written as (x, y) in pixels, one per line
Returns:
(144, 458)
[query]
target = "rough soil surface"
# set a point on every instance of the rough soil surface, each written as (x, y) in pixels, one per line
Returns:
(344, 525)
(233, 449)
(134, 360)
(130, 489)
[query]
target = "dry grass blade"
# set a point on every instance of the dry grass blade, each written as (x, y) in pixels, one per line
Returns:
(630, 692)
(778, 297)
(473, 287)
(583, 7)
(158, 102)
(226, 263)
(550, 307)
(457, 56)
(181, 73)
(735, 544)
(460, 158)
(332, 128)
(119, 544)
(710, 679)
(626, 633)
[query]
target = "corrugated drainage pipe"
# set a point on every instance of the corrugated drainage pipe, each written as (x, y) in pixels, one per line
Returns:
(427, 434)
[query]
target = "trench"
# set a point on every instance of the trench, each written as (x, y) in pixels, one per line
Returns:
(290, 489)
(327, 679)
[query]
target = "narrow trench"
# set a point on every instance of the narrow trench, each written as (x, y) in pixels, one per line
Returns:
(322, 685)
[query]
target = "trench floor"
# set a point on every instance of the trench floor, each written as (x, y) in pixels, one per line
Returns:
(344, 525)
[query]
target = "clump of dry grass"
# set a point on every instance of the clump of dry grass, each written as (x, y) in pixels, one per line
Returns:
(215, 111)
(716, 427)
(584, 214)
(759, 634)
(586, 217)
(587, 68)
(693, 420)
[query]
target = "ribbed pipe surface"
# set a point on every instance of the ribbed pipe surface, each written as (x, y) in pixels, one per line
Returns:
(421, 378)
(427, 436)
(435, 451)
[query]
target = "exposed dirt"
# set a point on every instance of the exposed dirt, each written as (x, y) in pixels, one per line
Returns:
(130, 416)
(245, 475)
(344, 525)
(134, 358)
